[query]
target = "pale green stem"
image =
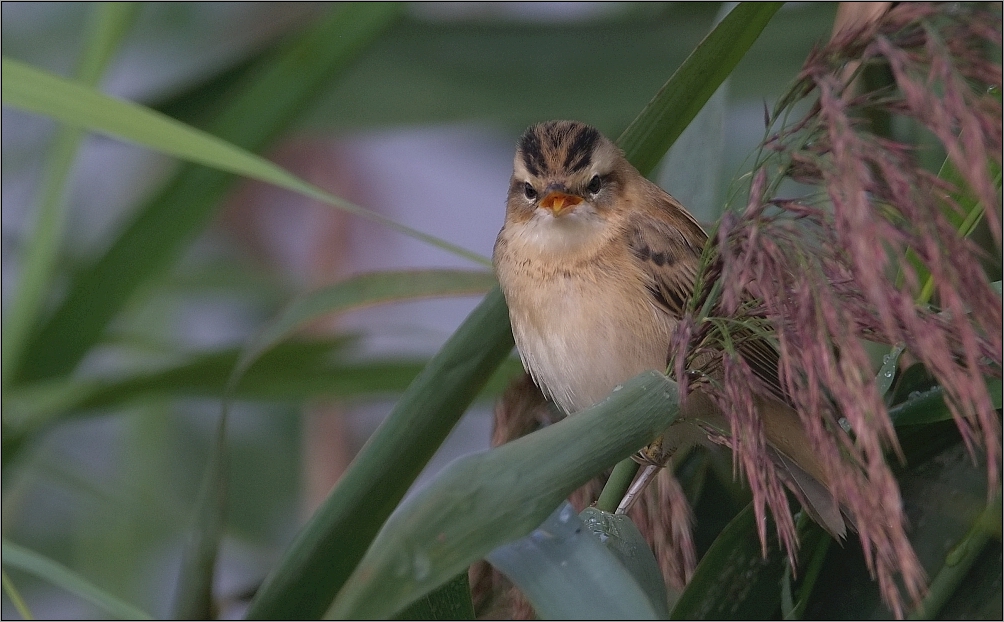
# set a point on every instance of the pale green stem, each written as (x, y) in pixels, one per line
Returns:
(618, 484)
(15, 596)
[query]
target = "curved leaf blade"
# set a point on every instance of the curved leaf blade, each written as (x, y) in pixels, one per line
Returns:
(15, 556)
(621, 536)
(73, 103)
(568, 574)
(733, 581)
(929, 406)
(486, 499)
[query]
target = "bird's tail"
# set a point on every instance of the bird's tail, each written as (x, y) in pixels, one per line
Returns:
(800, 466)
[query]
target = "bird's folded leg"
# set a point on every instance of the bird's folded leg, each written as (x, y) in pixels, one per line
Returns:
(653, 457)
(641, 481)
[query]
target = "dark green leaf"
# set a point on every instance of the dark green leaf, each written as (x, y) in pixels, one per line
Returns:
(293, 371)
(486, 68)
(733, 581)
(929, 406)
(452, 601)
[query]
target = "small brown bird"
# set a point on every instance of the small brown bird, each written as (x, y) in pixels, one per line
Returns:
(597, 264)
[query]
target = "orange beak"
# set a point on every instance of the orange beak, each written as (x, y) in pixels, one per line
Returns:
(560, 202)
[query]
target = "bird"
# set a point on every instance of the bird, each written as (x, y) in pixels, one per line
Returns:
(597, 264)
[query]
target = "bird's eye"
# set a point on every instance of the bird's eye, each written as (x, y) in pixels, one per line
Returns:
(594, 184)
(529, 191)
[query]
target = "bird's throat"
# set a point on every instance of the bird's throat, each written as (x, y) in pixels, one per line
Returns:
(566, 239)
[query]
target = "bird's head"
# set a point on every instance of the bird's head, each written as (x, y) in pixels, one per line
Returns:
(565, 170)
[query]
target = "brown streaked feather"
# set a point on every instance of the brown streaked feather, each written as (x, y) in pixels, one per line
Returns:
(667, 247)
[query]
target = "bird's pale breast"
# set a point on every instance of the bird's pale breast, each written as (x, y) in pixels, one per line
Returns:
(583, 331)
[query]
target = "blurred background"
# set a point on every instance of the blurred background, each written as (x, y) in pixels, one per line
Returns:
(420, 127)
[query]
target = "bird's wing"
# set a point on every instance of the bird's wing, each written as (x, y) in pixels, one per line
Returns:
(667, 244)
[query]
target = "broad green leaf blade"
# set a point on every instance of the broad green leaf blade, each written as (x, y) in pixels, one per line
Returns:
(620, 536)
(452, 601)
(299, 586)
(15, 556)
(328, 548)
(361, 291)
(110, 23)
(662, 121)
(479, 68)
(568, 574)
(266, 105)
(200, 102)
(733, 581)
(486, 499)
